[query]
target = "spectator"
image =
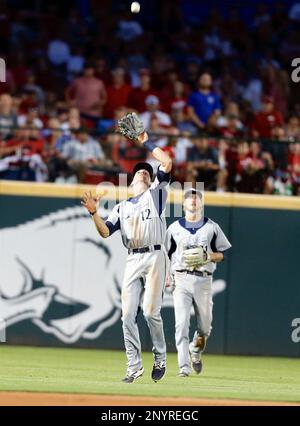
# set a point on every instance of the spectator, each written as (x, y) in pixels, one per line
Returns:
(204, 106)
(294, 166)
(52, 134)
(231, 110)
(152, 104)
(163, 119)
(31, 87)
(8, 118)
(178, 99)
(23, 166)
(180, 121)
(202, 164)
(30, 124)
(267, 119)
(117, 93)
(68, 121)
(138, 95)
(113, 140)
(223, 148)
(292, 129)
(253, 169)
(82, 153)
(232, 127)
(87, 93)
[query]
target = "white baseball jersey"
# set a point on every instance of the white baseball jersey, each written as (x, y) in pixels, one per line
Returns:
(141, 219)
(182, 234)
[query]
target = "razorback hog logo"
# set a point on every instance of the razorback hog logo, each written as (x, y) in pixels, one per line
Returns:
(57, 272)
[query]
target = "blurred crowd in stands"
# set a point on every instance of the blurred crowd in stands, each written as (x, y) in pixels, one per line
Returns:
(216, 92)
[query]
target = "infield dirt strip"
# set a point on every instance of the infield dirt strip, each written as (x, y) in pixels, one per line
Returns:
(63, 399)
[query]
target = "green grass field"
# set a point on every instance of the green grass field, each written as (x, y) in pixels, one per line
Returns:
(99, 372)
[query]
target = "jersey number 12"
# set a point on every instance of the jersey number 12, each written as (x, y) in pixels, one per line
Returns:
(146, 214)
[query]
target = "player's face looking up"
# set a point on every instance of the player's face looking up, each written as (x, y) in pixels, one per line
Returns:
(141, 182)
(142, 176)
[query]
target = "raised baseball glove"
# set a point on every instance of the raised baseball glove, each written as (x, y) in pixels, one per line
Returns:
(131, 126)
(196, 256)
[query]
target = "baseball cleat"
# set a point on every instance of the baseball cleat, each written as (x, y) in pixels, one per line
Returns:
(130, 378)
(183, 374)
(158, 371)
(196, 359)
(197, 366)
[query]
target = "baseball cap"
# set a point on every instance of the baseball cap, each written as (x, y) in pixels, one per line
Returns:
(143, 166)
(152, 100)
(193, 191)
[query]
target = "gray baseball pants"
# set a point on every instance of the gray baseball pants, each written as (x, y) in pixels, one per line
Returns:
(143, 285)
(191, 290)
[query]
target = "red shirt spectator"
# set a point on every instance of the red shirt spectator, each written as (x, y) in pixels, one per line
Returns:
(231, 129)
(87, 93)
(267, 119)
(178, 98)
(138, 95)
(117, 93)
(294, 160)
(29, 147)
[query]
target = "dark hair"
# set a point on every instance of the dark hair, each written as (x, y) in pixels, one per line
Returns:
(143, 166)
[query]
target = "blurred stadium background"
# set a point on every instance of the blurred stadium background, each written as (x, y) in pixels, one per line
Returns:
(212, 82)
(82, 64)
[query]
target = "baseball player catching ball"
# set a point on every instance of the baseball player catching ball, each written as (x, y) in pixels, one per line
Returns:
(141, 221)
(195, 244)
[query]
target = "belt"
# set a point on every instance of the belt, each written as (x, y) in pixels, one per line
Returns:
(144, 249)
(198, 273)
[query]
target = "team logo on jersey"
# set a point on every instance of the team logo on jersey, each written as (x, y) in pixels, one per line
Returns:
(57, 273)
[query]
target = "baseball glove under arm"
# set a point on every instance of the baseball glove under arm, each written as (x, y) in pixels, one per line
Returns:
(194, 257)
(131, 126)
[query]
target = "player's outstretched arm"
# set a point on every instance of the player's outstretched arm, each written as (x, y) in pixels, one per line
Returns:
(160, 155)
(90, 203)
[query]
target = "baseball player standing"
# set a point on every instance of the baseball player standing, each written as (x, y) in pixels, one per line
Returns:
(195, 244)
(141, 221)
